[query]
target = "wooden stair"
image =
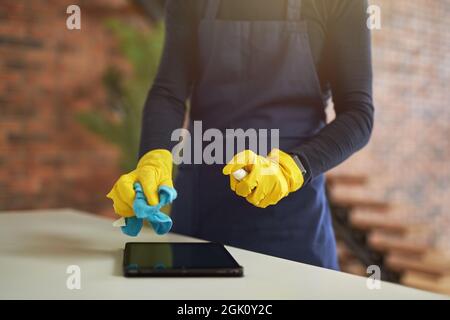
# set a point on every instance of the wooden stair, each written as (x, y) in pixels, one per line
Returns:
(346, 179)
(438, 284)
(348, 261)
(353, 195)
(374, 221)
(385, 242)
(389, 231)
(419, 263)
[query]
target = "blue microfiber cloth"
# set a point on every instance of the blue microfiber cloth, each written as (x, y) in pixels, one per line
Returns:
(160, 222)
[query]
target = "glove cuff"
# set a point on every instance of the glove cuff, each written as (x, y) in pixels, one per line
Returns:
(290, 170)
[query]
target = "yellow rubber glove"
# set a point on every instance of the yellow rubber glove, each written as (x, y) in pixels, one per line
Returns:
(153, 170)
(269, 179)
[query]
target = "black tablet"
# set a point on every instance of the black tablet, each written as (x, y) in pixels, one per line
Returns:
(160, 259)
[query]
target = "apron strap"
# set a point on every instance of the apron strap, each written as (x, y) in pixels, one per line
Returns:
(212, 8)
(293, 10)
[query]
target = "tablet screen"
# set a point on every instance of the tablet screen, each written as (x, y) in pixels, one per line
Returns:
(178, 256)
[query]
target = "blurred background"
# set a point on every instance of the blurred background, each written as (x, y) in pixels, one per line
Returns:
(70, 104)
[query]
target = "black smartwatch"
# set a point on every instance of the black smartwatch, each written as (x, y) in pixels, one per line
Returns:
(300, 165)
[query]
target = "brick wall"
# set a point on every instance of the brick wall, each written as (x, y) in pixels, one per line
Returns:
(408, 159)
(47, 75)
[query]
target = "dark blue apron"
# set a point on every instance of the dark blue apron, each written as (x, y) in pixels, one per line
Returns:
(261, 75)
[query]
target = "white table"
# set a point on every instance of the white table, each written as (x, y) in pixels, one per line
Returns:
(37, 247)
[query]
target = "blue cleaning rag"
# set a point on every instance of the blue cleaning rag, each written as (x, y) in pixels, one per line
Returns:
(160, 222)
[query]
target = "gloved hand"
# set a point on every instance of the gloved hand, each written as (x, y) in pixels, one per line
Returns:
(153, 171)
(269, 179)
(160, 222)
